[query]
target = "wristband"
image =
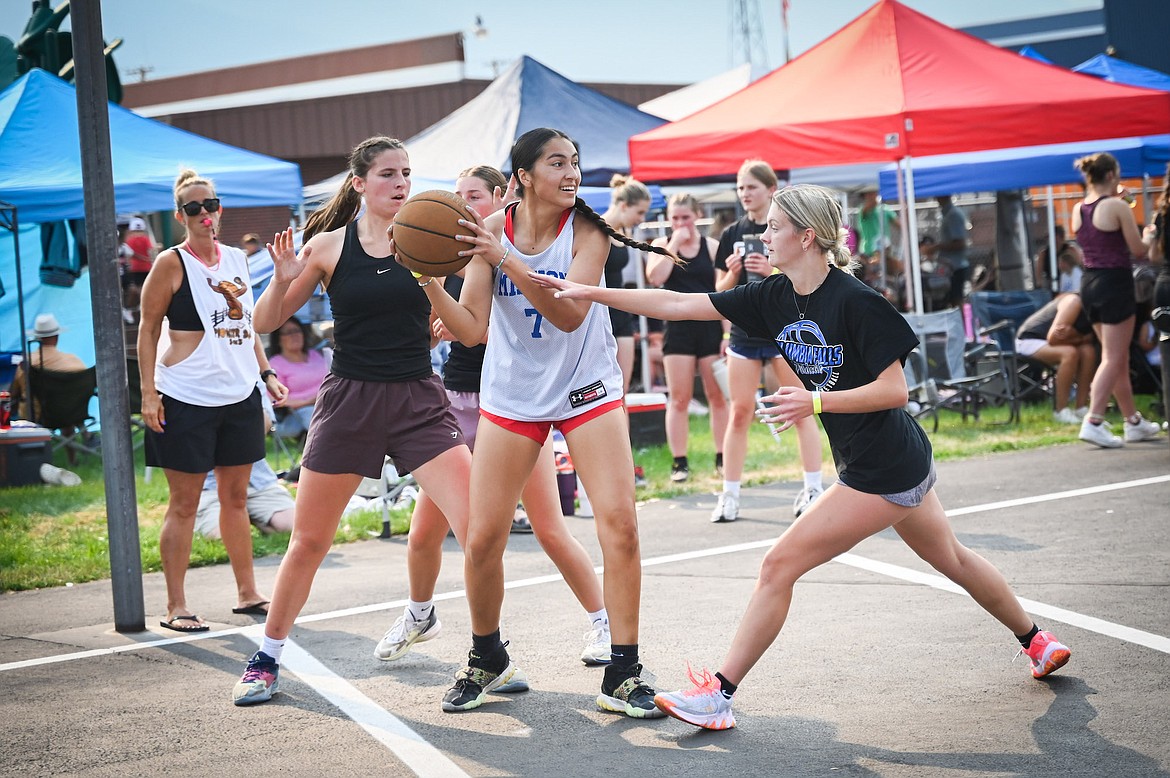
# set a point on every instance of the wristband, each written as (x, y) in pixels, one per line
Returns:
(727, 336)
(816, 398)
(417, 276)
(506, 252)
(264, 374)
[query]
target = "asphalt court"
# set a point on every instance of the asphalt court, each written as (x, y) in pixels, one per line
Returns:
(883, 669)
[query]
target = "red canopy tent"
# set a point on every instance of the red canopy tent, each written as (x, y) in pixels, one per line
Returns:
(891, 85)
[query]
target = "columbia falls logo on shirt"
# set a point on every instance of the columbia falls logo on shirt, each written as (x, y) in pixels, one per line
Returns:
(803, 344)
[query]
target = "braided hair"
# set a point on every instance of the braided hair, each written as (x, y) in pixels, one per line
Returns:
(526, 151)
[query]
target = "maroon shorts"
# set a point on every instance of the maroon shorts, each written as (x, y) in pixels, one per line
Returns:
(357, 424)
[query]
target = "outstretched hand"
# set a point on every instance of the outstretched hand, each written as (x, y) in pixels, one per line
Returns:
(286, 266)
(564, 288)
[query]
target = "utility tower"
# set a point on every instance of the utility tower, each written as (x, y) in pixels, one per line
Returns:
(746, 33)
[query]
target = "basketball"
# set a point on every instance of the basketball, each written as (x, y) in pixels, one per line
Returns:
(425, 230)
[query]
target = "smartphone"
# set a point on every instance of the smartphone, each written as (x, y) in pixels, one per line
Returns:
(753, 245)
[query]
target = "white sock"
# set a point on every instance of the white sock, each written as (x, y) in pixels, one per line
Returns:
(731, 487)
(274, 648)
(420, 610)
(813, 481)
(599, 618)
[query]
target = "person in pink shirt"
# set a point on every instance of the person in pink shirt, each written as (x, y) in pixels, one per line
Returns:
(302, 370)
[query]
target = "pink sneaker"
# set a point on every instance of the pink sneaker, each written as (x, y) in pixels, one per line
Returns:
(702, 705)
(1046, 653)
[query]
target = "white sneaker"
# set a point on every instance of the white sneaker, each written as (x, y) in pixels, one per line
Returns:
(597, 648)
(1082, 412)
(57, 476)
(1066, 416)
(696, 408)
(1099, 434)
(807, 497)
(1143, 430)
(727, 509)
(405, 633)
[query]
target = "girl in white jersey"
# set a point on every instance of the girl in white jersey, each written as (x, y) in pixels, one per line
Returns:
(549, 363)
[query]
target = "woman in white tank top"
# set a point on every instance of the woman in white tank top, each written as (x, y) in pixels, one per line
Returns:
(549, 363)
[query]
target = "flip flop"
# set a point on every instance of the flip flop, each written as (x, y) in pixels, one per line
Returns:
(170, 624)
(255, 609)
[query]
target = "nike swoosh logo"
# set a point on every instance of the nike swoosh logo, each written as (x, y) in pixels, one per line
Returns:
(385, 270)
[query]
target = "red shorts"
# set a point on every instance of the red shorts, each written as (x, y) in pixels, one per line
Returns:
(538, 430)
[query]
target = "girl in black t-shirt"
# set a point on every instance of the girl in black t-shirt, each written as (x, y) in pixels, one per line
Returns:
(843, 346)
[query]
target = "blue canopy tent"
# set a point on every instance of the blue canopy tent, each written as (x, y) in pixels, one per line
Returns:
(40, 174)
(1121, 72)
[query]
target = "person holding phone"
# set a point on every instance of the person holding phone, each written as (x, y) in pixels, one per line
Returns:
(747, 355)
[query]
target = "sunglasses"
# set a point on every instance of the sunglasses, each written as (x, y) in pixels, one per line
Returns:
(211, 205)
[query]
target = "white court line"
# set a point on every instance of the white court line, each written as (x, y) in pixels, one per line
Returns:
(406, 744)
(1089, 623)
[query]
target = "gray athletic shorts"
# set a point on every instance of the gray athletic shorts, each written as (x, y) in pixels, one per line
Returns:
(357, 424)
(465, 406)
(262, 506)
(911, 498)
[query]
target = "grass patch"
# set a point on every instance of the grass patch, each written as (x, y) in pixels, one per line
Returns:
(51, 535)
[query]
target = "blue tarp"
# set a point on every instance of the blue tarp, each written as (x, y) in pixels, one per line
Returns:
(527, 96)
(989, 171)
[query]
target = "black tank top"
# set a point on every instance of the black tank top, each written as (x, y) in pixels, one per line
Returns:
(181, 313)
(464, 365)
(697, 275)
(380, 317)
(615, 263)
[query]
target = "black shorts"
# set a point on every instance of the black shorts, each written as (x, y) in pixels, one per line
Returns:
(357, 424)
(1107, 295)
(693, 338)
(622, 323)
(197, 439)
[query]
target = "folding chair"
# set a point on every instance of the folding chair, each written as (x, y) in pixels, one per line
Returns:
(950, 373)
(999, 316)
(61, 405)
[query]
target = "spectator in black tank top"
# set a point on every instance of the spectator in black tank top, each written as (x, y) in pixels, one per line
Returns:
(486, 190)
(848, 345)
(689, 345)
(627, 209)
(381, 397)
(747, 356)
(1160, 252)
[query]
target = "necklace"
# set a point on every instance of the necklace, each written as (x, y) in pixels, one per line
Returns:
(807, 298)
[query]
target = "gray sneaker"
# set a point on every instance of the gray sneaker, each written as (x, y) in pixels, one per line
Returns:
(727, 509)
(405, 633)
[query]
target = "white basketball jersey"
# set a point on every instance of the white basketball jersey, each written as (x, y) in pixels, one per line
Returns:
(534, 372)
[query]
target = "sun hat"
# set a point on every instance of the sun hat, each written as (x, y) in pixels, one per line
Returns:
(137, 224)
(46, 326)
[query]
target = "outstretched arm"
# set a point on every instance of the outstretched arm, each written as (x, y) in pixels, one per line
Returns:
(655, 303)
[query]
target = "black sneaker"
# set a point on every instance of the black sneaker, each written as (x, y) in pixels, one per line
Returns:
(474, 682)
(679, 473)
(629, 695)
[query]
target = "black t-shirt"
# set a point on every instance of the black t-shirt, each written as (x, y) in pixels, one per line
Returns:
(461, 372)
(381, 317)
(731, 235)
(849, 335)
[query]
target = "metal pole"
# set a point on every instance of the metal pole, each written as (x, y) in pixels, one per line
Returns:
(1053, 268)
(643, 327)
(93, 122)
(915, 258)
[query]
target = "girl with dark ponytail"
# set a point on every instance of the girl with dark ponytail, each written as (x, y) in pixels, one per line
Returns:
(549, 363)
(380, 398)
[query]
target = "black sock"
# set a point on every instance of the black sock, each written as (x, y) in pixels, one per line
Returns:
(681, 462)
(490, 651)
(1026, 640)
(719, 460)
(623, 657)
(728, 688)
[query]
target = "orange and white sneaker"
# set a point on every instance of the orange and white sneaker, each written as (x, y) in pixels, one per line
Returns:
(703, 705)
(1046, 653)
